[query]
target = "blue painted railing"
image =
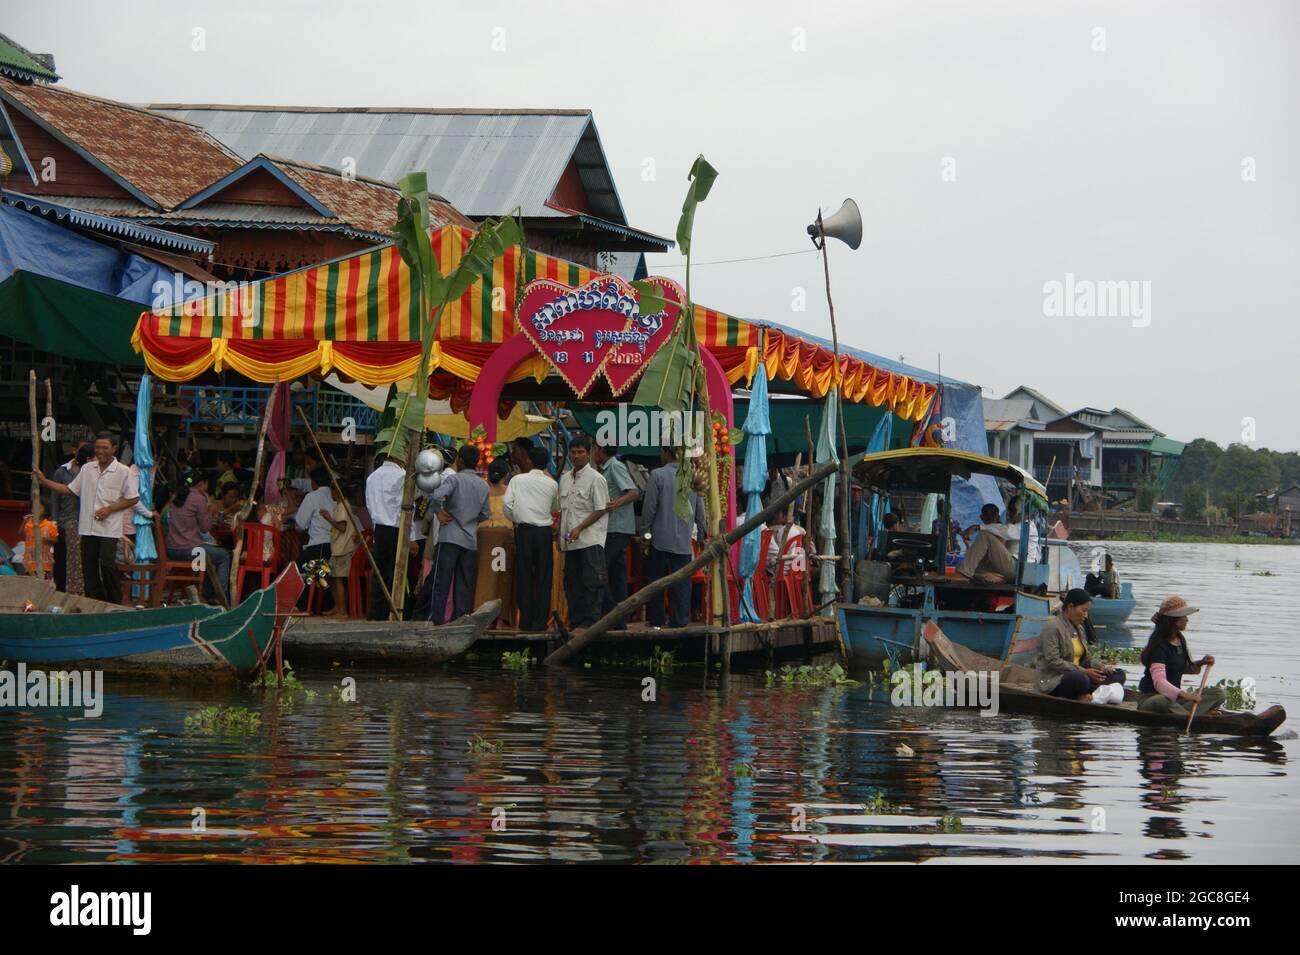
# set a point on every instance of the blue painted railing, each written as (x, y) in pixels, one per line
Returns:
(242, 406)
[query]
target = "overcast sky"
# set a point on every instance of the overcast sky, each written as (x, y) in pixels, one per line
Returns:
(993, 148)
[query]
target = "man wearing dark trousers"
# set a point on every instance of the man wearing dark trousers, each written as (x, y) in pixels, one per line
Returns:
(105, 488)
(531, 500)
(384, 489)
(670, 540)
(584, 496)
(623, 494)
(462, 501)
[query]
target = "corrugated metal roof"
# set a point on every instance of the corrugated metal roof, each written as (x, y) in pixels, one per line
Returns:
(21, 63)
(485, 163)
(99, 222)
(879, 361)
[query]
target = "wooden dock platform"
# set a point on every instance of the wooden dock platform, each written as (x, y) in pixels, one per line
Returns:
(813, 634)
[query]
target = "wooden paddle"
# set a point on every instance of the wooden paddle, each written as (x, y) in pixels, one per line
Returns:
(1205, 675)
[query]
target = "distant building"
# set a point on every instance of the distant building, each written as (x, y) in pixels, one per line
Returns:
(1078, 454)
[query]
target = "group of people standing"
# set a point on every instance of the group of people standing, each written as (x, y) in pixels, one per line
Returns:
(502, 537)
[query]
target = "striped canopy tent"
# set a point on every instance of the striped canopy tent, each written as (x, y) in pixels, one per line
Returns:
(357, 316)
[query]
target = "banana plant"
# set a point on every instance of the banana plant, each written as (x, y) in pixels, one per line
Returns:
(436, 290)
(402, 438)
(674, 379)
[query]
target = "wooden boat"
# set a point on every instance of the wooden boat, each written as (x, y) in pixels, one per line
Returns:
(989, 618)
(1016, 694)
(166, 642)
(392, 642)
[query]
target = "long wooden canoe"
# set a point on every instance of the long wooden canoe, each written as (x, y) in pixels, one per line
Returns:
(396, 643)
(1016, 694)
(168, 642)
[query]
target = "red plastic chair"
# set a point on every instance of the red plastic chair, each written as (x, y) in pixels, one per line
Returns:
(704, 581)
(359, 579)
(253, 562)
(791, 582)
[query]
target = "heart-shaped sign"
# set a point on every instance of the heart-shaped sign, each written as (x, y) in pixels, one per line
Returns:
(577, 329)
(644, 337)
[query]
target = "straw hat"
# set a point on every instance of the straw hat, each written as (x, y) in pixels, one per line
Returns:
(1173, 607)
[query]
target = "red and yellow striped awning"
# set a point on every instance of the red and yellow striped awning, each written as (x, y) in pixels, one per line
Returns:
(357, 315)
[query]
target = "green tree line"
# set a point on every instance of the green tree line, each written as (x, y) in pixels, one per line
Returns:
(1232, 476)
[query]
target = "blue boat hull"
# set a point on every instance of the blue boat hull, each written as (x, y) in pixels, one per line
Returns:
(873, 634)
(209, 641)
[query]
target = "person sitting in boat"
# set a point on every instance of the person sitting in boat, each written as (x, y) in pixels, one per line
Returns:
(1064, 667)
(1013, 534)
(1105, 584)
(1167, 659)
(988, 558)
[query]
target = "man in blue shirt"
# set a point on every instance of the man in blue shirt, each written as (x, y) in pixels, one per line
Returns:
(670, 539)
(462, 501)
(623, 495)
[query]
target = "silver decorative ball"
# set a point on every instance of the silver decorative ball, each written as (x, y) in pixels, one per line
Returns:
(428, 461)
(428, 482)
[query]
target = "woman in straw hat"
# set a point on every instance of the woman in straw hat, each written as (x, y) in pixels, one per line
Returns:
(1167, 659)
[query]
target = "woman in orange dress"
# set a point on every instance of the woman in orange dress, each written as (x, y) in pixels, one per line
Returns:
(494, 578)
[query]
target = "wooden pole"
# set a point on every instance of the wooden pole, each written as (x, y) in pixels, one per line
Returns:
(38, 545)
(1205, 675)
(352, 518)
(712, 551)
(247, 506)
(845, 569)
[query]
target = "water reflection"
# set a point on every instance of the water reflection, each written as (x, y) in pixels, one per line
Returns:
(713, 770)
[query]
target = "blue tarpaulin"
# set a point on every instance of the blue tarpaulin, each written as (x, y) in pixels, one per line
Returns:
(965, 406)
(30, 243)
(757, 424)
(145, 551)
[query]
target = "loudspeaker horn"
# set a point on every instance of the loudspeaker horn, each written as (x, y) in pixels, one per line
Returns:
(845, 225)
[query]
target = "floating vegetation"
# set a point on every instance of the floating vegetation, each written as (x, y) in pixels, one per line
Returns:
(287, 687)
(1101, 653)
(480, 746)
(1264, 573)
(878, 805)
(811, 675)
(223, 719)
(517, 659)
(662, 661)
(1240, 694)
(950, 823)
(742, 770)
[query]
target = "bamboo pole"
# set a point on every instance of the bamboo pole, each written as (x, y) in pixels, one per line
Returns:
(37, 558)
(247, 507)
(405, 515)
(1205, 675)
(712, 551)
(352, 517)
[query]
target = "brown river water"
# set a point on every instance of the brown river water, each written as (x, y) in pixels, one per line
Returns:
(576, 766)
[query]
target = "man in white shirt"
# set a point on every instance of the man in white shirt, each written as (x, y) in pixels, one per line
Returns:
(1013, 534)
(584, 496)
(384, 489)
(531, 499)
(105, 489)
(314, 517)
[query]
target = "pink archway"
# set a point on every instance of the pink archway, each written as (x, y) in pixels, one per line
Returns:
(497, 370)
